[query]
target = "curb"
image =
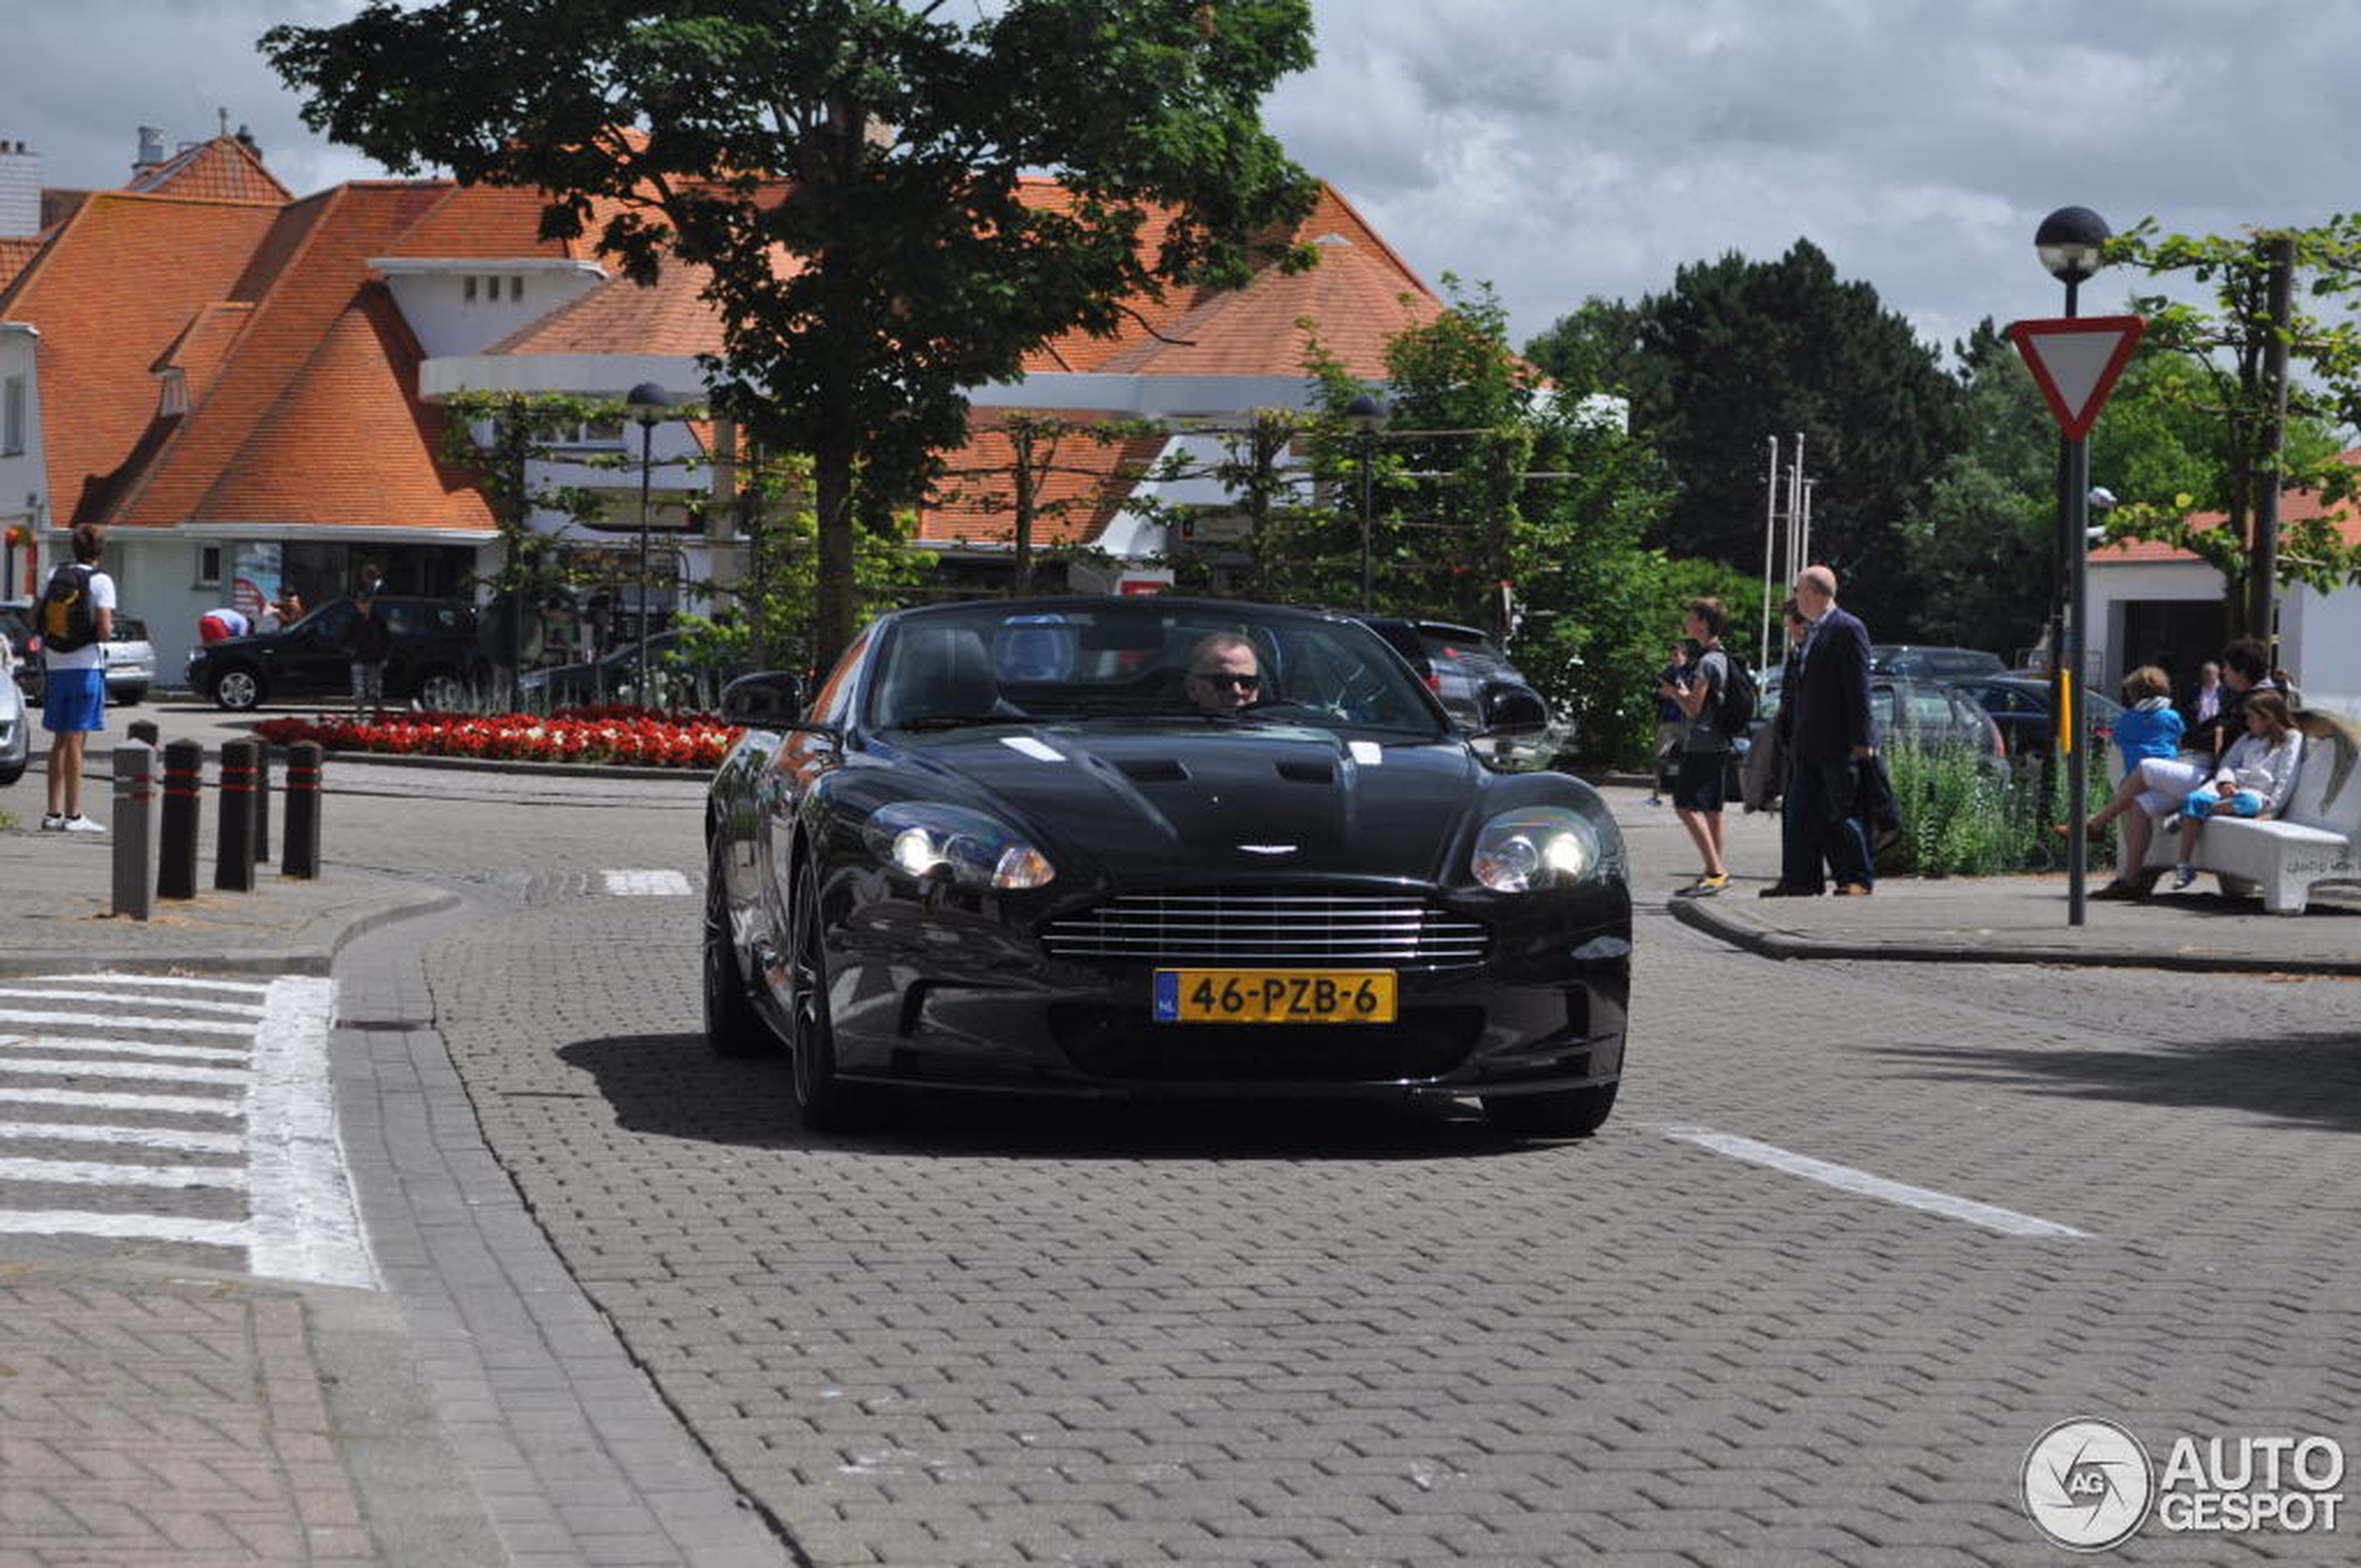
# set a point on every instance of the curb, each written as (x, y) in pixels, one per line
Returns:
(90, 769)
(266, 960)
(1697, 914)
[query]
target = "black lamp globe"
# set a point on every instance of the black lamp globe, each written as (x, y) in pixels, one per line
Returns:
(2069, 243)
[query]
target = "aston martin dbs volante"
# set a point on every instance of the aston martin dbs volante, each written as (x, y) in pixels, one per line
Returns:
(1158, 846)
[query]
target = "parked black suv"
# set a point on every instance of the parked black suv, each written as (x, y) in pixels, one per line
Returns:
(1455, 662)
(434, 658)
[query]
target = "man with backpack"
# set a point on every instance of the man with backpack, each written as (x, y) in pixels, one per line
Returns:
(1716, 688)
(76, 613)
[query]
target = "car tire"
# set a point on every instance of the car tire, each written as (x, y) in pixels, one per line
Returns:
(823, 1101)
(11, 776)
(129, 696)
(238, 689)
(1566, 1114)
(442, 691)
(732, 1027)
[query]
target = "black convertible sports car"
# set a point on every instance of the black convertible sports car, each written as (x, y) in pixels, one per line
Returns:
(1157, 847)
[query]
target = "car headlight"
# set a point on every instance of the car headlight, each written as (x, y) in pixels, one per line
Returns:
(1534, 847)
(928, 838)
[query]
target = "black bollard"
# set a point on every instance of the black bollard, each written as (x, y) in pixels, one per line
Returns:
(176, 861)
(300, 855)
(261, 801)
(145, 729)
(135, 791)
(233, 845)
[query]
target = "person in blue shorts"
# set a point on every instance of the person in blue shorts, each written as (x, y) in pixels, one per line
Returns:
(75, 680)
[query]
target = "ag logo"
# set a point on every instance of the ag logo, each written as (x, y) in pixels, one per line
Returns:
(2086, 1485)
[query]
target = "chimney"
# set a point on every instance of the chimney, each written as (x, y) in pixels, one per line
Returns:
(246, 138)
(150, 149)
(20, 191)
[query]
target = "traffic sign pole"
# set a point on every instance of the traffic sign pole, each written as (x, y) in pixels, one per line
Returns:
(2074, 361)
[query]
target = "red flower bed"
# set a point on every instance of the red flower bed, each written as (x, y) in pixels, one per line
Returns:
(639, 737)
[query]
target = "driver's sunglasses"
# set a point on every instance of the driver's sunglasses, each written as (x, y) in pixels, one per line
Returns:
(1224, 678)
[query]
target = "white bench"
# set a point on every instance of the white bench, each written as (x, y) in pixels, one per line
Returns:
(2313, 841)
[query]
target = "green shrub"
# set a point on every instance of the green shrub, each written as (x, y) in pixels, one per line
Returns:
(1962, 817)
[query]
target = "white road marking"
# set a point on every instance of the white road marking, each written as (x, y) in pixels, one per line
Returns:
(646, 884)
(60, 1067)
(254, 988)
(243, 1009)
(305, 1226)
(125, 1227)
(109, 1173)
(178, 1105)
(119, 1047)
(1847, 1178)
(119, 1021)
(138, 1137)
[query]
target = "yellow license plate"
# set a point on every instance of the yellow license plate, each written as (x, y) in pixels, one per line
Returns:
(1274, 997)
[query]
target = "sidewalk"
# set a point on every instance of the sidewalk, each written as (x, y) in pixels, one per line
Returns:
(1978, 919)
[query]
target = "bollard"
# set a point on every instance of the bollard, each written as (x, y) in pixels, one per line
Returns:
(233, 845)
(300, 856)
(135, 789)
(261, 801)
(176, 861)
(145, 729)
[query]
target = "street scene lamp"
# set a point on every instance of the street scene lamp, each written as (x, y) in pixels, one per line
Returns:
(1367, 416)
(2071, 244)
(648, 406)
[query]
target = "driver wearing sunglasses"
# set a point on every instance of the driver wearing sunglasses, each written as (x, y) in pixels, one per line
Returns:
(1224, 674)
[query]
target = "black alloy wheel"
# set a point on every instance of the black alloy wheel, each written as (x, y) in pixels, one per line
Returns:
(731, 1025)
(824, 1103)
(1565, 1114)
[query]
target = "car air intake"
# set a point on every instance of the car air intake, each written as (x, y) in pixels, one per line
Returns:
(1271, 927)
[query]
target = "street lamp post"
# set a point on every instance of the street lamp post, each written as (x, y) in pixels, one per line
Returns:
(647, 405)
(1367, 416)
(2070, 243)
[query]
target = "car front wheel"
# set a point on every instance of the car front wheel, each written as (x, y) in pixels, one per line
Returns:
(442, 691)
(731, 1025)
(824, 1103)
(237, 690)
(1567, 1113)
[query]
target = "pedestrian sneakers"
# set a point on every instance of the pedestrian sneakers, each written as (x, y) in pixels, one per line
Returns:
(1853, 889)
(2182, 875)
(1706, 886)
(80, 824)
(53, 821)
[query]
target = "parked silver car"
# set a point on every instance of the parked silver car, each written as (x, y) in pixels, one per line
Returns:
(16, 723)
(129, 659)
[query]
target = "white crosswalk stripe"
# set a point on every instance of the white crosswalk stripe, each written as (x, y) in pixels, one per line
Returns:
(232, 1075)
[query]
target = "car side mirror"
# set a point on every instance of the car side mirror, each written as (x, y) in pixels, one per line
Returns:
(767, 699)
(1504, 707)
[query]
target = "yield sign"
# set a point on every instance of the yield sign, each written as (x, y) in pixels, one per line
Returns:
(2074, 361)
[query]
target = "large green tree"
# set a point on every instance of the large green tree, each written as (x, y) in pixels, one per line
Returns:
(1738, 352)
(2219, 389)
(851, 174)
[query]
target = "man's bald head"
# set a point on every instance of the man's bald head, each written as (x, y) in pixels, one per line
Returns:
(1815, 586)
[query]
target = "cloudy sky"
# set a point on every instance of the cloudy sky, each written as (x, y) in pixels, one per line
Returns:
(1565, 148)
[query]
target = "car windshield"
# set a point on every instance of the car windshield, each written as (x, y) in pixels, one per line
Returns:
(130, 628)
(1144, 660)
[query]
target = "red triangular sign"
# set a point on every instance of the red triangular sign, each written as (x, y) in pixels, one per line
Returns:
(2074, 361)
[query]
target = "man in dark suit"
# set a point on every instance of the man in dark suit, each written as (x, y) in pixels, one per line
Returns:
(1830, 741)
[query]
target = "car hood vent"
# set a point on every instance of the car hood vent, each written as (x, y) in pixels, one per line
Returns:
(1153, 770)
(1318, 771)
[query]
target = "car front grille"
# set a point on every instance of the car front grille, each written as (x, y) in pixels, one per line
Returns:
(1276, 927)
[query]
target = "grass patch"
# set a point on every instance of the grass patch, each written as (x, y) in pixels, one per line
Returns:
(1962, 817)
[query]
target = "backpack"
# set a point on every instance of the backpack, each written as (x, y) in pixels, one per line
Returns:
(1739, 696)
(69, 621)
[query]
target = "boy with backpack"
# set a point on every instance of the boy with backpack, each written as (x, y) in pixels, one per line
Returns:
(76, 613)
(1717, 699)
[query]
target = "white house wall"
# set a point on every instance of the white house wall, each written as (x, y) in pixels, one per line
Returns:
(2320, 643)
(2115, 584)
(434, 296)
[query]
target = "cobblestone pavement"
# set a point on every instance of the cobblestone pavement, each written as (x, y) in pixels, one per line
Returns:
(1017, 1333)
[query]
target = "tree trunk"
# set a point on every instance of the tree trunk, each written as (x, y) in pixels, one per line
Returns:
(832, 626)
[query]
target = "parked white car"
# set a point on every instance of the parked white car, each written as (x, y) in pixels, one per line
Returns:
(130, 660)
(16, 724)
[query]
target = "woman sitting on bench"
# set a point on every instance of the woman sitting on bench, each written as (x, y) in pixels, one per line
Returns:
(2256, 779)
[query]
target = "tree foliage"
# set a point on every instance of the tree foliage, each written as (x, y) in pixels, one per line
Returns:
(1738, 352)
(859, 179)
(2212, 383)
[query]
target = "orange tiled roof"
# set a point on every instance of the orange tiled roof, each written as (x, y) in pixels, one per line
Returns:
(197, 353)
(1089, 479)
(348, 442)
(15, 252)
(1354, 296)
(117, 284)
(493, 222)
(222, 169)
(669, 316)
(293, 366)
(2295, 506)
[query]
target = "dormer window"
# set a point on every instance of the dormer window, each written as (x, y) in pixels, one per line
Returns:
(172, 398)
(487, 286)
